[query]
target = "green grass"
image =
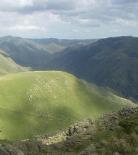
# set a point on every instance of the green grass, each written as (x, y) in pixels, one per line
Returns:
(33, 103)
(7, 65)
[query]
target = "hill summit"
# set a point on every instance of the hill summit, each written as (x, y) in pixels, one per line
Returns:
(33, 103)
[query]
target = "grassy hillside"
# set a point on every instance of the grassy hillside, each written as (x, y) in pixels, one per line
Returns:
(33, 103)
(112, 134)
(7, 65)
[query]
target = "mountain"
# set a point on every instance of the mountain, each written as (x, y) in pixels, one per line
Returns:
(33, 103)
(54, 45)
(110, 62)
(24, 51)
(35, 53)
(7, 65)
(112, 134)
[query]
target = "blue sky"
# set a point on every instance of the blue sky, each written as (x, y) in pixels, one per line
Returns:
(68, 18)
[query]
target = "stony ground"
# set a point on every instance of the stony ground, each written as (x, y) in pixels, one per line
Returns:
(112, 134)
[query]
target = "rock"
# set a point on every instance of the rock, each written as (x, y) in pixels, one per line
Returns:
(3, 152)
(116, 153)
(79, 127)
(136, 149)
(126, 112)
(31, 147)
(104, 136)
(10, 150)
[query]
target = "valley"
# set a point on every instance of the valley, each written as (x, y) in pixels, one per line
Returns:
(69, 77)
(109, 62)
(48, 84)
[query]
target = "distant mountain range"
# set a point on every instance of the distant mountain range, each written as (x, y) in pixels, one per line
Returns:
(36, 52)
(110, 62)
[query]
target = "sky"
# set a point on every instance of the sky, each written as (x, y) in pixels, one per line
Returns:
(70, 19)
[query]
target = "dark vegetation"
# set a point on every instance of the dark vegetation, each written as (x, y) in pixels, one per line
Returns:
(112, 134)
(111, 62)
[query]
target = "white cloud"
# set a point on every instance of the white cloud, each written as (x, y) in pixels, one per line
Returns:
(24, 3)
(25, 27)
(60, 17)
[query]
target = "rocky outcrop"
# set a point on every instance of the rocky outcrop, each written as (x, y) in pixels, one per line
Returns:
(112, 134)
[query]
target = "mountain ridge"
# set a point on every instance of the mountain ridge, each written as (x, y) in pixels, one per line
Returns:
(109, 62)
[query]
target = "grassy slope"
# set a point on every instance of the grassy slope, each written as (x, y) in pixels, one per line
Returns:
(114, 133)
(7, 65)
(33, 103)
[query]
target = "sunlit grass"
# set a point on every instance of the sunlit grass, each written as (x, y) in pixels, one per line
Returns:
(33, 103)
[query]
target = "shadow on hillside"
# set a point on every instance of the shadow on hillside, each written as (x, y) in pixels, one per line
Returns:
(22, 123)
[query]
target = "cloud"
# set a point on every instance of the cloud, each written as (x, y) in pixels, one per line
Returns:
(29, 6)
(52, 17)
(124, 1)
